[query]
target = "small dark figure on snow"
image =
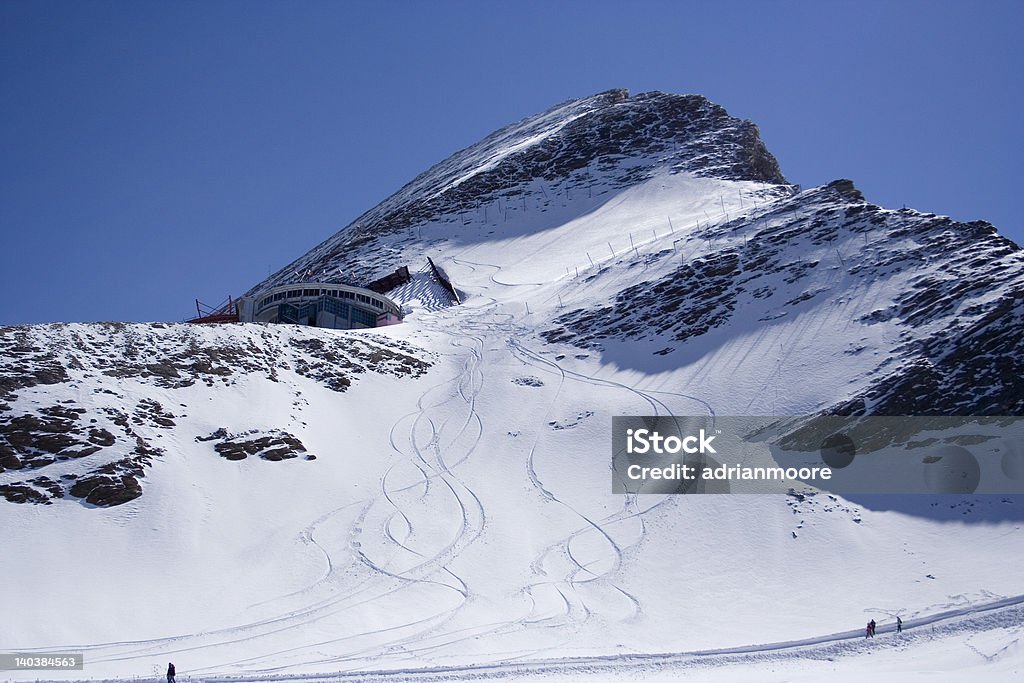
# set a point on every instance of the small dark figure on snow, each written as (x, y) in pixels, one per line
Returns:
(899, 625)
(170, 672)
(871, 624)
(867, 630)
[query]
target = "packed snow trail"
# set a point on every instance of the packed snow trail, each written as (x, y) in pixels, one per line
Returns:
(1005, 612)
(997, 614)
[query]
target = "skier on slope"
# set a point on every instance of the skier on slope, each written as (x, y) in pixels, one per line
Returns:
(899, 625)
(867, 630)
(170, 672)
(872, 625)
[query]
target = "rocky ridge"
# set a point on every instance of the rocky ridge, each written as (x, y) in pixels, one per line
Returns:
(78, 417)
(612, 140)
(957, 312)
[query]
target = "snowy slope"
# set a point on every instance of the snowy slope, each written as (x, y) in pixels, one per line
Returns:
(457, 521)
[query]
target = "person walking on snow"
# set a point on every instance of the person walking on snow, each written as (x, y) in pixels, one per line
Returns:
(867, 630)
(871, 624)
(899, 625)
(170, 672)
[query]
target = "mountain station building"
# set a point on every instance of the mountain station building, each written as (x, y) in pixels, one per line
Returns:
(320, 304)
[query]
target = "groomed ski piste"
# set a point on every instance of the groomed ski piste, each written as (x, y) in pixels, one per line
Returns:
(458, 521)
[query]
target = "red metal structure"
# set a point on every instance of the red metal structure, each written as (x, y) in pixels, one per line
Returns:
(226, 312)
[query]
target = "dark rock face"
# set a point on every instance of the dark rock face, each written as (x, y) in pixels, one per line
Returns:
(151, 412)
(273, 446)
(26, 365)
(16, 493)
(102, 456)
(107, 491)
(101, 437)
(698, 135)
(35, 440)
(611, 139)
(695, 298)
(959, 317)
(977, 369)
(219, 433)
(174, 357)
(333, 362)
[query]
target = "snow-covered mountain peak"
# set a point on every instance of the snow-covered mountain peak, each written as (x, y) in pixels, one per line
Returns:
(597, 145)
(431, 500)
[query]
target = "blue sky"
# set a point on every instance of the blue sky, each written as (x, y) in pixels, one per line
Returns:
(155, 152)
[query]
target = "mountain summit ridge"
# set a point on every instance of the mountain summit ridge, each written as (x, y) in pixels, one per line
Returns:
(609, 138)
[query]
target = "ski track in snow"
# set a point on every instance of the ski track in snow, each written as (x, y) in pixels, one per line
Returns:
(575, 609)
(631, 502)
